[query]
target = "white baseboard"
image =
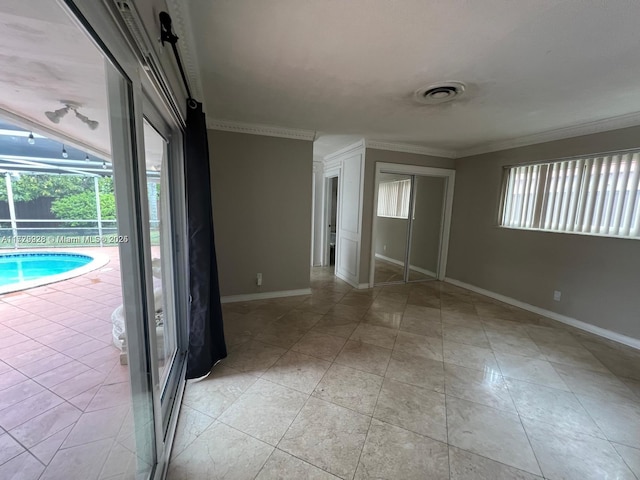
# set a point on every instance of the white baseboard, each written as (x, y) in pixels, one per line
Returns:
(264, 295)
(363, 286)
(353, 283)
(601, 332)
(411, 267)
(389, 259)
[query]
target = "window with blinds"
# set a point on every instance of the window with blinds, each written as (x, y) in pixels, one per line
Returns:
(393, 199)
(597, 195)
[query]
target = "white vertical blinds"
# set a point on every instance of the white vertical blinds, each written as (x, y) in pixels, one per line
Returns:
(393, 198)
(596, 195)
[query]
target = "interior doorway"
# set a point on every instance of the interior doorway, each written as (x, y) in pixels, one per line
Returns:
(332, 220)
(411, 218)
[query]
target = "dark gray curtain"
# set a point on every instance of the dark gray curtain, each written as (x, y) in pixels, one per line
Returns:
(206, 334)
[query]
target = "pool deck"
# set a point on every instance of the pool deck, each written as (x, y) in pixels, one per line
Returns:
(64, 397)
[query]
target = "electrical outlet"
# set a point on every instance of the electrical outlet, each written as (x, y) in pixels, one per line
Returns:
(557, 295)
(259, 279)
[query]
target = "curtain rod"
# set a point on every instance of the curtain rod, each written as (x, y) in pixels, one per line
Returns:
(167, 35)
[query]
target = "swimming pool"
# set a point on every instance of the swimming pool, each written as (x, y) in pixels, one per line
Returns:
(19, 271)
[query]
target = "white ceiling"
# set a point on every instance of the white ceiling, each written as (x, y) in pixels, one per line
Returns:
(350, 67)
(46, 58)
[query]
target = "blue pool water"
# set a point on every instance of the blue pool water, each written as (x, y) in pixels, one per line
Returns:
(24, 267)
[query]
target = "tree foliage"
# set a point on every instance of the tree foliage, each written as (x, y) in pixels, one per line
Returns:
(30, 187)
(82, 206)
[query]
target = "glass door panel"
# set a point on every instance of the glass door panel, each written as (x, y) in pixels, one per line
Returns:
(426, 228)
(392, 224)
(163, 324)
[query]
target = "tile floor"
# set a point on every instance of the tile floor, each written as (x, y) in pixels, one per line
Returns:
(64, 397)
(419, 381)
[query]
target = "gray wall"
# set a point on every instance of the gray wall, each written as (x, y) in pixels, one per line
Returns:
(599, 277)
(261, 210)
(372, 156)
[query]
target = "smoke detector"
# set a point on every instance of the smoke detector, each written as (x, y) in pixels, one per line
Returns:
(440, 93)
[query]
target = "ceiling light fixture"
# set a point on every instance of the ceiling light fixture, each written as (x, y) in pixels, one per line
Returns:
(86, 158)
(57, 115)
(104, 165)
(64, 152)
(92, 124)
(440, 93)
(30, 139)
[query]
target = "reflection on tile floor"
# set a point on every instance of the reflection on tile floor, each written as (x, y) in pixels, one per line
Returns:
(418, 381)
(64, 397)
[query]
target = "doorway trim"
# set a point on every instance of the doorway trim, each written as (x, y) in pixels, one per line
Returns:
(449, 176)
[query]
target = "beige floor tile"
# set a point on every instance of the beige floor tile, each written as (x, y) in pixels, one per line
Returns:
(327, 436)
(552, 406)
(18, 393)
(469, 466)
(282, 466)
(350, 388)
(383, 318)
(467, 320)
(319, 345)
(411, 343)
(576, 356)
(301, 319)
(486, 387)
(631, 456)
(297, 371)
(416, 370)
(620, 422)
(603, 386)
(87, 461)
(469, 356)
(11, 378)
(337, 326)
(516, 344)
(365, 357)
(393, 452)
(375, 335)
(215, 393)
(574, 456)
(253, 357)
(23, 467)
(421, 326)
(264, 411)
(491, 433)
(280, 335)
(413, 408)
(454, 332)
(530, 370)
(191, 423)
(220, 452)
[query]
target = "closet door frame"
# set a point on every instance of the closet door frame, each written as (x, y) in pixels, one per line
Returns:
(403, 169)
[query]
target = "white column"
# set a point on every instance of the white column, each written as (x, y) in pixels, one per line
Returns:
(12, 209)
(96, 188)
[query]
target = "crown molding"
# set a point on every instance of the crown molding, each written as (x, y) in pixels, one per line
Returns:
(257, 129)
(589, 128)
(181, 21)
(360, 144)
(408, 148)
